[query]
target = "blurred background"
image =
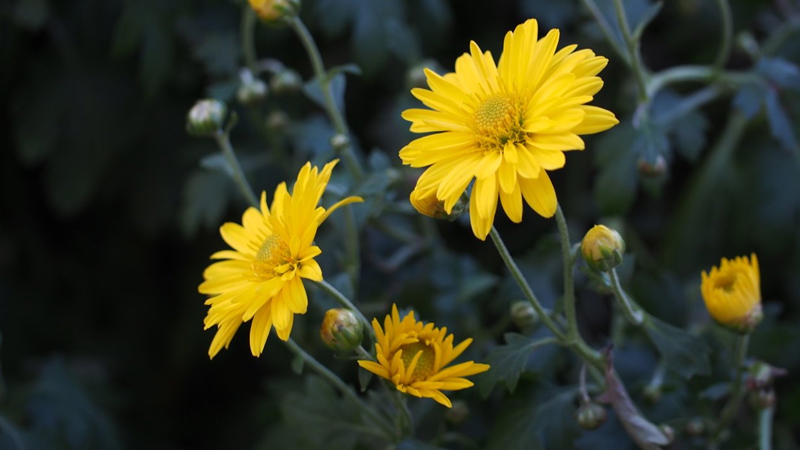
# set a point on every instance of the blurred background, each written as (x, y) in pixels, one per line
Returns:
(109, 210)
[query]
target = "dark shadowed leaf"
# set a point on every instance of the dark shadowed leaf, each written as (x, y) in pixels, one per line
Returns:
(507, 362)
(749, 99)
(779, 123)
(683, 352)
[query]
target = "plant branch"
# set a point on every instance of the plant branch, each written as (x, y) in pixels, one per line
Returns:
(631, 310)
(569, 285)
(765, 428)
(248, 39)
(633, 50)
(726, 16)
(735, 399)
(239, 177)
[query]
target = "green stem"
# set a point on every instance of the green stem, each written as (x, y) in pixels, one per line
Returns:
(404, 417)
(735, 399)
(765, 428)
(523, 284)
(248, 39)
(632, 311)
(341, 386)
(569, 285)
(633, 50)
(345, 302)
(239, 177)
(605, 27)
(726, 16)
(689, 104)
(780, 35)
(335, 115)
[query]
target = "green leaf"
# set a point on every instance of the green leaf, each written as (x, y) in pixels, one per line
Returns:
(683, 352)
(647, 16)
(364, 377)
(783, 73)
(749, 99)
(313, 91)
(508, 362)
(344, 68)
(779, 124)
(205, 198)
(616, 186)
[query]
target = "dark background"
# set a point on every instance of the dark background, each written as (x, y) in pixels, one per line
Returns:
(107, 217)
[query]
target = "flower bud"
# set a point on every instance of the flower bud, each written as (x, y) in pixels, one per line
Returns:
(458, 413)
(652, 169)
(286, 81)
(252, 92)
(732, 293)
(602, 248)
(433, 207)
(415, 75)
(652, 393)
(277, 121)
(523, 315)
(696, 427)
(761, 375)
(590, 416)
(341, 331)
(275, 11)
(206, 117)
(340, 142)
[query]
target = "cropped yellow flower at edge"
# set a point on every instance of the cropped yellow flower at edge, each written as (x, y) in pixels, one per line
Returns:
(505, 125)
(414, 357)
(260, 279)
(732, 293)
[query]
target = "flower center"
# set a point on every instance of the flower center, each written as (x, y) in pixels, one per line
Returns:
(425, 364)
(273, 254)
(498, 121)
(726, 282)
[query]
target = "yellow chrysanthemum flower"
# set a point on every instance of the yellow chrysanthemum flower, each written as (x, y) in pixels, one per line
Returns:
(260, 279)
(505, 124)
(732, 292)
(414, 357)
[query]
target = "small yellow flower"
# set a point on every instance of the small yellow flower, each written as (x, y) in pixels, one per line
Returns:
(602, 248)
(505, 124)
(414, 357)
(732, 293)
(260, 279)
(272, 11)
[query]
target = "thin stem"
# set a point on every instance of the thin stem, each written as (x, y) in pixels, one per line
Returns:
(632, 311)
(569, 285)
(735, 399)
(523, 284)
(335, 115)
(633, 49)
(248, 39)
(605, 27)
(239, 177)
(405, 418)
(726, 16)
(340, 385)
(689, 104)
(765, 428)
(344, 301)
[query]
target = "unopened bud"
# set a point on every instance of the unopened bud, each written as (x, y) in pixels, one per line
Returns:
(275, 11)
(431, 206)
(206, 117)
(252, 92)
(652, 169)
(696, 427)
(652, 393)
(590, 416)
(277, 121)
(415, 75)
(458, 413)
(602, 248)
(341, 331)
(286, 81)
(340, 142)
(523, 315)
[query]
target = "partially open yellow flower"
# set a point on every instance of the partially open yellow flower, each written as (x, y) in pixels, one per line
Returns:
(414, 357)
(505, 125)
(732, 293)
(260, 279)
(272, 11)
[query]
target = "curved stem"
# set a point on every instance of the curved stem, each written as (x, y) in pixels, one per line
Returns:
(631, 310)
(605, 27)
(239, 177)
(633, 50)
(345, 302)
(341, 386)
(248, 39)
(335, 115)
(523, 284)
(735, 399)
(726, 16)
(765, 428)
(569, 285)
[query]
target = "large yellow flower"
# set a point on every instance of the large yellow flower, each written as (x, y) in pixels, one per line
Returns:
(505, 124)
(260, 279)
(414, 357)
(732, 292)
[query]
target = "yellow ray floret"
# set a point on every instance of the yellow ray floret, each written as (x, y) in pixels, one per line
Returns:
(414, 357)
(505, 124)
(273, 249)
(732, 292)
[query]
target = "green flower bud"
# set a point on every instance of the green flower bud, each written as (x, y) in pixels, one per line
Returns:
(340, 142)
(602, 248)
(341, 331)
(652, 393)
(286, 81)
(523, 315)
(590, 416)
(458, 413)
(696, 427)
(275, 11)
(252, 92)
(415, 75)
(206, 117)
(277, 121)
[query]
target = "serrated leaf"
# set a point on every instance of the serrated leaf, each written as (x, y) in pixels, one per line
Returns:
(507, 362)
(779, 124)
(683, 352)
(636, 11)
(749, 99)
(780, 71)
